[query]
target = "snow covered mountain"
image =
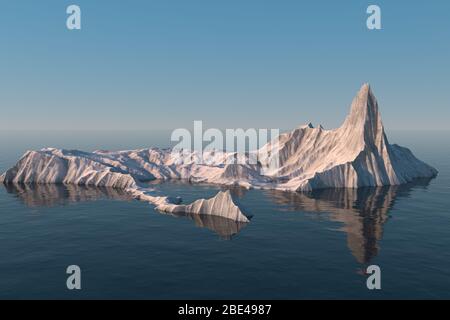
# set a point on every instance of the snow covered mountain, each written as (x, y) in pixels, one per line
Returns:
(357, 154)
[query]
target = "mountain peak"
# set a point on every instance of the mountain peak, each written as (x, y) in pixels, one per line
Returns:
(363, 97)
(364, 116)
(364, 106)
(365, 87)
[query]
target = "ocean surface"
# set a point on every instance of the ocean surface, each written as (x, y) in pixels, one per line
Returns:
(297, 246)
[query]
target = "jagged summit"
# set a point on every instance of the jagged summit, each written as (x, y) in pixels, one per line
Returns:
(364, 120)
(364, 105)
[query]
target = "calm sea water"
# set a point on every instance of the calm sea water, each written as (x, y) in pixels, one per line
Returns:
(296, 246)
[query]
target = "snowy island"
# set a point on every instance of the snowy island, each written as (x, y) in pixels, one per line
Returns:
(357, 154)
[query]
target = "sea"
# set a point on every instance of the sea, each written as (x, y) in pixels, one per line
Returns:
(315, 245)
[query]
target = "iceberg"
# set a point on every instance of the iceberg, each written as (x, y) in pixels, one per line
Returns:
(357, 154)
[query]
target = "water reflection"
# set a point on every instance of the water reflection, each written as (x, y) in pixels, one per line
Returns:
(362, 212)
(225, 228)
(50, 195)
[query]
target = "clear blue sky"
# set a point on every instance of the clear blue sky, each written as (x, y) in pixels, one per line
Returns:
(235, 63)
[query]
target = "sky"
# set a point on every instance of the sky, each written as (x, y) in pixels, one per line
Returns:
(161, 64)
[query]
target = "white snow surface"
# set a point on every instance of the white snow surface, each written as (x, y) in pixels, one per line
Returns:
(357, 154)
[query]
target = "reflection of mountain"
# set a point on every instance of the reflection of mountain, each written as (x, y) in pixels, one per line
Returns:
(225, 228)
(49, 195)
(362, 211)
